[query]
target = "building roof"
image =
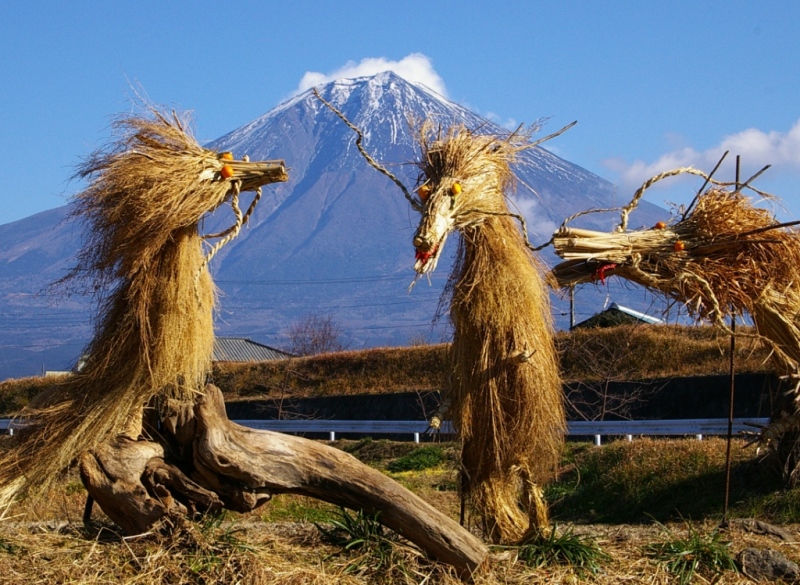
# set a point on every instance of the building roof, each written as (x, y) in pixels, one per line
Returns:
(241, 349)
(617, 315)
(641, 316)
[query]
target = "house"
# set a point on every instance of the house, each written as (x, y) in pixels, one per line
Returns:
(241, 349)
(618, 315)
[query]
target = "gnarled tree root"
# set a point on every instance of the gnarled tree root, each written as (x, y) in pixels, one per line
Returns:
(239, 468)
(137, 489)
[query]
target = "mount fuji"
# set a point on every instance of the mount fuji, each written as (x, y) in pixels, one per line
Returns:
(335, 240)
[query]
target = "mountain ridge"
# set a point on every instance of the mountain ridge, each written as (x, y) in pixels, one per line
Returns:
(334, 240)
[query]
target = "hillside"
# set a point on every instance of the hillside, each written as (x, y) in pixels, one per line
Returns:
(616, 353)
(612, 354)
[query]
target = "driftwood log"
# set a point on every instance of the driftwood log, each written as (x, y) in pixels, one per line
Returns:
(203, 462)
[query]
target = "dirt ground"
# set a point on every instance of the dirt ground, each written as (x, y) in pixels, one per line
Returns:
(43, 540)
(51, 545)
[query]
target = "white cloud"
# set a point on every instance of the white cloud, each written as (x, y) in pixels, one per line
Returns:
(415, 67)
(755, 148)
(508, 123)
(540, 227)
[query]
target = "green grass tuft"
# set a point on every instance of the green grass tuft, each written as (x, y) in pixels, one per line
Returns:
(418, 460)
(579, 552)
(374, 547)
(708, 554)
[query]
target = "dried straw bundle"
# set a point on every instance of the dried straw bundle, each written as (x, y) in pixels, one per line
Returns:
(154, 338)
(505, 391)
(724, 258)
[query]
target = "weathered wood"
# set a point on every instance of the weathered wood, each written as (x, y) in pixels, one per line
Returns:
(244, 465)
(136, 488)
(227, 465)
(177, 491)
(112, 476)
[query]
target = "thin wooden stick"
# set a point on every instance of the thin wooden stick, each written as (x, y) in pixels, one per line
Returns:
(768, 228)
(708, 179)
(553, 135)
(754, 177)
(730, 415)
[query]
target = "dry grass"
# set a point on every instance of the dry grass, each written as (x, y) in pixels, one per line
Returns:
(256, 548)
(294, 555)
(641, 352)
(16, 394)
(394, 369)
(650, 352)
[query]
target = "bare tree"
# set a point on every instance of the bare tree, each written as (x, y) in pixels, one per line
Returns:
(611, 362)
(418, 340)
(315, 334)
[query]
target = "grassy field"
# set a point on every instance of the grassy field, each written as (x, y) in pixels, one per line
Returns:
(623, 512)
(616, 353)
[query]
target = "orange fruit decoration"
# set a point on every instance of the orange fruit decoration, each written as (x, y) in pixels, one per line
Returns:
(226, 171)
(455, 189)
(227, 155)
(660, 225)
(679, 246)
(424, 192)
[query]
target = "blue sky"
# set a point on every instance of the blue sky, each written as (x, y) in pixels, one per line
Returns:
(653, 85)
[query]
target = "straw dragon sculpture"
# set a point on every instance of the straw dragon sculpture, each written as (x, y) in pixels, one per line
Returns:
(721, 257)
(504, 392)
(150, 433)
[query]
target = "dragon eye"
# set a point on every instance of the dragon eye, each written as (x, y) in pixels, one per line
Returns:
(424, 192)
(455, 189)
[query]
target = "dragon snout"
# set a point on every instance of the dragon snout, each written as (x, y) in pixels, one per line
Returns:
(425, 243)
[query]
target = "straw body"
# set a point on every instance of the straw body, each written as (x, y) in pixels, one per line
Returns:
(504, 389)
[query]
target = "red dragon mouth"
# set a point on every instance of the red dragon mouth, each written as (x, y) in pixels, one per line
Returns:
(600, 273)
(424, 256)
(426, 259)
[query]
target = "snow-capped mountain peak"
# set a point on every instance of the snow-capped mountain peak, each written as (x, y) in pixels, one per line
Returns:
(333, 240)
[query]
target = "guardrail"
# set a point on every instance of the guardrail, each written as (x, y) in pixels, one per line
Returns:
(596, 429)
